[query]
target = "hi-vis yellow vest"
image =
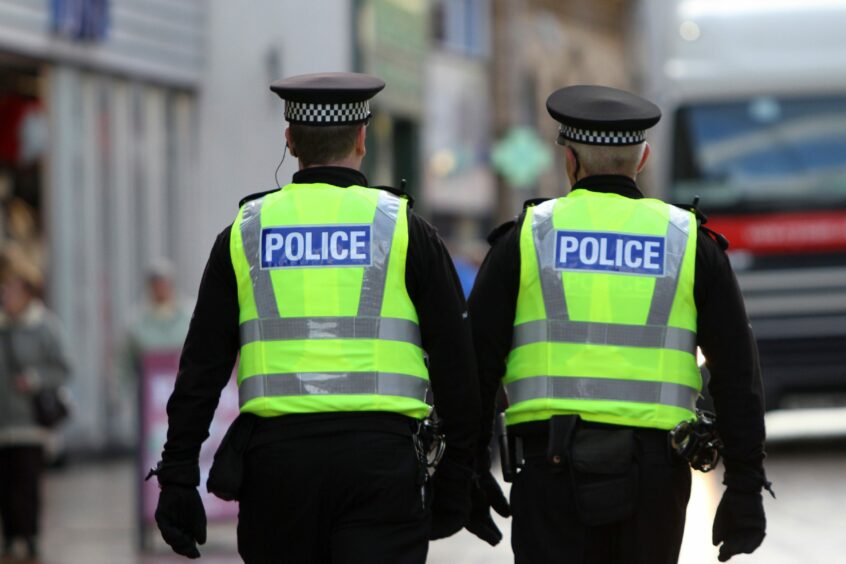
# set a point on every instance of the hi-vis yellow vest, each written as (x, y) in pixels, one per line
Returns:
(605, 325)
(326, 324)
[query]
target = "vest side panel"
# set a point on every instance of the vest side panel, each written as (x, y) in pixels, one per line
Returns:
(397, 303)
(246, 299)
(530, 306)
(684, 313)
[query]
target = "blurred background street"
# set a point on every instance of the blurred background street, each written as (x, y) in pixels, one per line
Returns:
(130, 129)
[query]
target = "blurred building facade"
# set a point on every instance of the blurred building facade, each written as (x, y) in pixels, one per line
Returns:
(139, 124)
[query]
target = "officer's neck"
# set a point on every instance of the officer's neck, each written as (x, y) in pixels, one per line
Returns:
(352, 161)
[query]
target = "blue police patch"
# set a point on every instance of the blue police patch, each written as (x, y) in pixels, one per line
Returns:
(596, 251)
(315, 246)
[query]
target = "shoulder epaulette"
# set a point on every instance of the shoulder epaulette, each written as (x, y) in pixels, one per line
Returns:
(534, 202)
(255, 196)
(693, 208)
(397, 192)
(701, 220)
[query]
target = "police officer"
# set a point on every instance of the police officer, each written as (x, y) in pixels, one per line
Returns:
(589, 308)
(330, 291)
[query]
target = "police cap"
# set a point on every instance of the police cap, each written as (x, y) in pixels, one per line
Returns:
(600, 115)
(332, 98)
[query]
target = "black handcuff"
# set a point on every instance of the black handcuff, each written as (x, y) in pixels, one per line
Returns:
(698, 442)
(429, 443)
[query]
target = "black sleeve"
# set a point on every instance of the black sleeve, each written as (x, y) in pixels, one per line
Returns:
(493, 303)
(208, 358)
(728, 344)
(434, 289)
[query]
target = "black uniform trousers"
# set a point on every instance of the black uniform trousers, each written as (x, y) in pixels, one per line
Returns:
(20, 476)
(348, 497)
(546, 528)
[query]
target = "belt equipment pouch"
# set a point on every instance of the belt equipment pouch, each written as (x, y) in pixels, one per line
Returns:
(227, 471)
(604, 475)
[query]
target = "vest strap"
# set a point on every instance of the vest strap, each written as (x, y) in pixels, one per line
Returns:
(582, 332)
(299, 328)
(678, 230)
(373, 283)
(266, 305)
(605, 389)
(543, 231)
(332, 383)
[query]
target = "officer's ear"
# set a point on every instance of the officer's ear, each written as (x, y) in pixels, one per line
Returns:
(289, 142)
(572, 159)
(573, 164)
(360, 137)
(644, 158)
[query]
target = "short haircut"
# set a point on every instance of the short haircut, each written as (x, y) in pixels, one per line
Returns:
(324, 144)
(608, 159)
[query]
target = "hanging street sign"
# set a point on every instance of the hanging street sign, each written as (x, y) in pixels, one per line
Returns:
(521, 156)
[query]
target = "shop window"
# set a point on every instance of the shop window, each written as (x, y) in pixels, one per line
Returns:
(23, 144)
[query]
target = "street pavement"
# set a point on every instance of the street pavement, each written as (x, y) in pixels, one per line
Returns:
(89, 509)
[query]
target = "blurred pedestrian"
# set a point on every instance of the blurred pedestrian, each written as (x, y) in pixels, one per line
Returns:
(158, 325)
(32, 359)
(331, 291)
(590, 308)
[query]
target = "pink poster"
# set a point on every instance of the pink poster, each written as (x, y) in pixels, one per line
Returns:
(158, 378)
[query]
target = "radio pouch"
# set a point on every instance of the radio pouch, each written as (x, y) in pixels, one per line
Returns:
(604, 475)
(227, 470)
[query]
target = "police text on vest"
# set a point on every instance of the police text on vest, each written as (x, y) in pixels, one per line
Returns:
(595, 251)
(315, 246)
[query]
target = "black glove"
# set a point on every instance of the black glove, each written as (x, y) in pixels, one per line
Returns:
(739, 524)
(486, 494)
(450, 499)
(181, 519)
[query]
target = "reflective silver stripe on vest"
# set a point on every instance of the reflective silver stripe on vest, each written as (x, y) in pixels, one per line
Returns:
(373, 283)
(606, 389)
(678, 230)
(550, 279)
(262, 285)
(650, 336)
(294, 328)
(332, 383)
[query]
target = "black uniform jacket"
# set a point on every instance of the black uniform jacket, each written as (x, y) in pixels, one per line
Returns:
(723, 333)
(212, 346)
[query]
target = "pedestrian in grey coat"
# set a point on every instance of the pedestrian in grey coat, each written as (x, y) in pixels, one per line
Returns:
(32, 357)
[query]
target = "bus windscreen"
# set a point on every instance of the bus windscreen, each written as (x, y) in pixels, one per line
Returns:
(761, 154)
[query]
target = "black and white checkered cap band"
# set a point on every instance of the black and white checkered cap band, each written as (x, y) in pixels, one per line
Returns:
(328, 114)
(590, 137)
